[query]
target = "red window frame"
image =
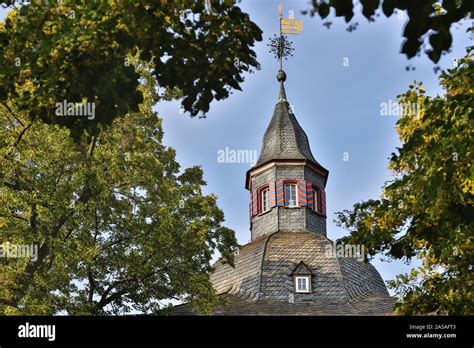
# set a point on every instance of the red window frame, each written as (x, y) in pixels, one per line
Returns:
(259, 197)
(288, 182)
(318, 200)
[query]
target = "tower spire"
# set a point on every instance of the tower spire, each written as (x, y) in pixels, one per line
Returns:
(286, 174)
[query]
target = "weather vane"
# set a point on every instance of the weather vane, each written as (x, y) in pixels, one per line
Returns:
(279, 45)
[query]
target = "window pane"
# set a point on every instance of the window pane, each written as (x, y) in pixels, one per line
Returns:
(290, 194)
(287, 194)
(315, 200)
(265, 200)
(302, 284)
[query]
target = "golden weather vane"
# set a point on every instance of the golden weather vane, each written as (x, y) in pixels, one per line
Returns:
(279, 45)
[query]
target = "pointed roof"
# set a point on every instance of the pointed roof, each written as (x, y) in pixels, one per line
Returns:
(284, 140)
(284, 137)
(301, 269)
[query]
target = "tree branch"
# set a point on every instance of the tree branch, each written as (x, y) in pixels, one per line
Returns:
(21, 134)
(10, 303)
(92, 146)
(91, 286)
(12, 113)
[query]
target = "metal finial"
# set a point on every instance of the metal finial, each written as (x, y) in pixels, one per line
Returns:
(281, 76)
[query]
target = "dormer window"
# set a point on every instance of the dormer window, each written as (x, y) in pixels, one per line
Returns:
(291, 198)
(302, 278)
(302, 284)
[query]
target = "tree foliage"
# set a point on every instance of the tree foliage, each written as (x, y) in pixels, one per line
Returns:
(119, 226)
(78, 51)
(427, 210)
(428, 20)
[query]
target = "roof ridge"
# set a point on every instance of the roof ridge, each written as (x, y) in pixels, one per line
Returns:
(296, 128)
(261, 263)
(287, 108)
(346, 291)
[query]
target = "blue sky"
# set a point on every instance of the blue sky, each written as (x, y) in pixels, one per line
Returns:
(336, 83)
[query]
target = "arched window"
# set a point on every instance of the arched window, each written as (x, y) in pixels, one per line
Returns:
(315, 197)
(291, 197)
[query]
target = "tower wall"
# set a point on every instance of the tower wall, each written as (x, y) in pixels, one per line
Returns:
(283, 218)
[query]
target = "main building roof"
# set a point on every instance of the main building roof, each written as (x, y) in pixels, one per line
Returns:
(261, 282)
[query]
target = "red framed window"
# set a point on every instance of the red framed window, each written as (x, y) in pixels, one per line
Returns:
(316, 204)
(290, 189)
(263, 199)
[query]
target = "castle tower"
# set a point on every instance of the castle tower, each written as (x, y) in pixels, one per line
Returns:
(287, 184)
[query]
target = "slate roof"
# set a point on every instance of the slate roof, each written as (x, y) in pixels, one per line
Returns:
(284, 137)
(371, 304)
(261, 281)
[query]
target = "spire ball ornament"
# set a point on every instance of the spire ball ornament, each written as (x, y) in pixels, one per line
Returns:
(281, 76)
